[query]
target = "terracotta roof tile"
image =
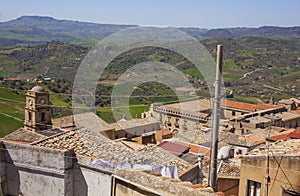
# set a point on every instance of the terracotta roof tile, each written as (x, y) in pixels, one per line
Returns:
(295, 111)
(24, 135)
(93, 144)
(229, 169)
(255, 139)
(238, 105)
(264, 106)
(295, 135)
(197, 149)
(284, 135)
(281, 147)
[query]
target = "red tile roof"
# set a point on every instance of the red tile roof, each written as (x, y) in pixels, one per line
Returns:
(264, 106)
(295, 135)
(295, 111)
(238, 105)
(247, 106)
(255, 139)
(285, 135)
(174, 148)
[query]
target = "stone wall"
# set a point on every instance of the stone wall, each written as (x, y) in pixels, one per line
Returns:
(31, 170)
(91, 179)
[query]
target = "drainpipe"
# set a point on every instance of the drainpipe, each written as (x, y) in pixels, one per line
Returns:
(200, 165)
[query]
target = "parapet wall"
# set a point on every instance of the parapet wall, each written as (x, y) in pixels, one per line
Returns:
(31, 170)
(34, 156)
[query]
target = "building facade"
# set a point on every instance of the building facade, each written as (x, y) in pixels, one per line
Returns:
(275, 174)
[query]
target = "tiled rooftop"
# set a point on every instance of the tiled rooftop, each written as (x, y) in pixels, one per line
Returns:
(127, 124)
(264, 106)
(238, 105)
(191, 106)
(130, 144)
(67, 140)
(94, 145)
(176, 149)
(225, 139)
(287, 147)
(247, 140)
(285, 101)
(287, 116)
(284, 135)
(190, 158)
(196, 149)
(158, 154)
(229, 169)
(24, 135)
(162, 185)
(295, 111)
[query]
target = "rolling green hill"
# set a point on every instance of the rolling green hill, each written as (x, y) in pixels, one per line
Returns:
(11, 111)
(38, 29)
(258, 63)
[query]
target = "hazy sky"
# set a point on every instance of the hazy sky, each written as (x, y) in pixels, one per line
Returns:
(185, 13)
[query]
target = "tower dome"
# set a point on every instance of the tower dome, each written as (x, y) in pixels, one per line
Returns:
(38, 89)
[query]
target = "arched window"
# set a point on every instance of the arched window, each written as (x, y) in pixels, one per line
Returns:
(43, 117)
(29, 116)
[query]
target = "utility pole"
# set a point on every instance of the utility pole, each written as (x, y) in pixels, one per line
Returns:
(216, 118)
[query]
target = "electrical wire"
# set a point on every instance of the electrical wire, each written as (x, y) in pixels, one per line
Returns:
(105, 96)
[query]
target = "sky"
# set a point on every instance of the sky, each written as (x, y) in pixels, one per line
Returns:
(175, 13)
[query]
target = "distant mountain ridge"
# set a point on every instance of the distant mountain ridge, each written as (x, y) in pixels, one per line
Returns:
(36, 29)
(44, 28)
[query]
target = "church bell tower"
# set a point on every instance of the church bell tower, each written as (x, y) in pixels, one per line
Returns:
(37, 110)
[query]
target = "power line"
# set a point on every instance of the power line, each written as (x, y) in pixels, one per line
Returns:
(282, 171)
(107, 96)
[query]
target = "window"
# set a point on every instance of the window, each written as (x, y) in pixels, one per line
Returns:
(177, 123)
(233, 113)
(43, 117)
(169, 121)
(253, 188)
(29, 116)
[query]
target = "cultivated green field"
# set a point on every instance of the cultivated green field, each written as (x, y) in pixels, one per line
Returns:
(11, 111)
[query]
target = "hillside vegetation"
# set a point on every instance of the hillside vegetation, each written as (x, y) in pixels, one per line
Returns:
(258, 63)
(41, 29)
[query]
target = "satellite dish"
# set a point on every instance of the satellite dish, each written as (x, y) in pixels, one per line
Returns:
(224, 153)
